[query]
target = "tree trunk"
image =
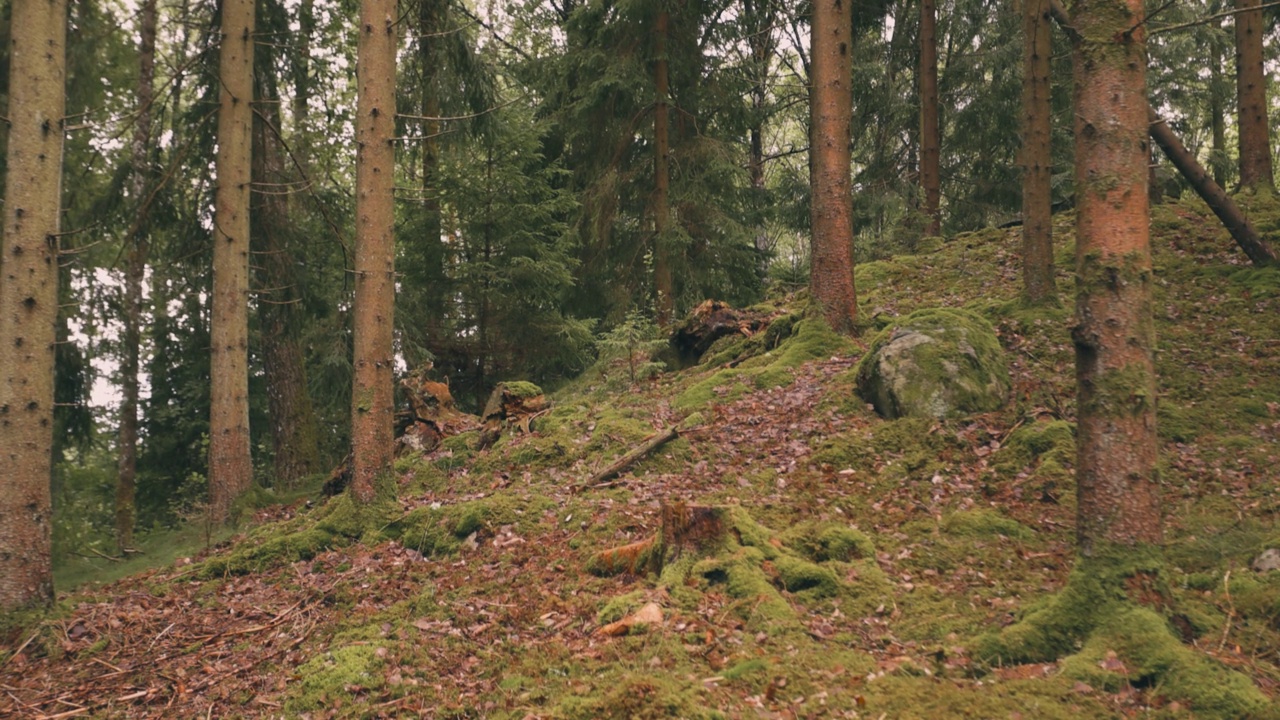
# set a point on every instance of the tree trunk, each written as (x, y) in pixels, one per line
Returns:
(930, 136)
(29, 298)
(1214, 196)
(831, 100)
(294, 433)
(230, 465)
(1218, 115)
(664, 286)
(372, 404)
(140, 153)
(1251, 98)
(1037, 158)
(1117, 488)
(431, 23)
(761, 42)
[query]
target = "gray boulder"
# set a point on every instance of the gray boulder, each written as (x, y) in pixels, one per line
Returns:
(937, 362)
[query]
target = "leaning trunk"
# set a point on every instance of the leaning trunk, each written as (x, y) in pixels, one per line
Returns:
(1251, 97)
(372, 405)
(831, 101)
(140, 154)
(1037, 170)
(930, 136)
(1117, 488)
(29, 299)
(1242, 231)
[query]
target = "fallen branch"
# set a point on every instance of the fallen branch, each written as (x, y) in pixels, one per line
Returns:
(653, 442)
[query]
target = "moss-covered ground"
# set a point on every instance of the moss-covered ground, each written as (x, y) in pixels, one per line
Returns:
(879, 569)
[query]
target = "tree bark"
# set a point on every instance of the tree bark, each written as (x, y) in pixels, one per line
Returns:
(930, 135)
(230, 465)
(372, 404)
(138, 249)
(664, 286)
(831, 100)
(1257, 249)
(1218, 115)
(294, 432)
(431, 14)
(29, 298)
(1117, 488)
(1251, 98)
(1037, 158)
(761, 14)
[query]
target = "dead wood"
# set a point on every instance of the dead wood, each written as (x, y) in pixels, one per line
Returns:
(711, 321)
(510, 404)
(685, 528)
(432, 415)
(651, 443)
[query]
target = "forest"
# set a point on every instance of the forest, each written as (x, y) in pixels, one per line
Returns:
(639, 359)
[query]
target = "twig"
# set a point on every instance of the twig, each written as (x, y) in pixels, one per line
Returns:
(22, 647)
(1209, 19)
(1231, 610)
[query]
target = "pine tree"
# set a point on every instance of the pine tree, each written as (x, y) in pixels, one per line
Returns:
(1037, 155)
(1251, 98)
(230, 465)
(372, 410)
(930, 134)
(831, 276)
(29, 298)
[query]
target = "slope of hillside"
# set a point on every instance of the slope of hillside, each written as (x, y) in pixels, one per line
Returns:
(869, 554)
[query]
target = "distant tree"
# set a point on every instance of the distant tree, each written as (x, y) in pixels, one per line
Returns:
(930, 133)
(29, 298)
(230, 465)
(830, 106)
(137, 249)
(1117, 487)
(1251, 98)
(1037, 154)
(664, 285)
(372, 403)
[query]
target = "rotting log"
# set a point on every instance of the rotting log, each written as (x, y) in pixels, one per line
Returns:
(432, 415)
(709, 322)
(653, 442)
(685, 528)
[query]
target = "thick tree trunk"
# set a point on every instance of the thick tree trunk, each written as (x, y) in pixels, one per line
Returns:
(664, 285)
(1214, 196)
(230, 465)
(1117, 488)
(372, 403)
(294, 433)
(140, 154)
(1251, 97)
(930, 135)
(29, 298)
(831, 100)
(1037, 160)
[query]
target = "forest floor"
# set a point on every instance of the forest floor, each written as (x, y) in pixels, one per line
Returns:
(483, 607)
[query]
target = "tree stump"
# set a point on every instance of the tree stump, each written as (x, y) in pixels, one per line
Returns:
(510, 403)
(697, 529)
(711, 321)
(432, 415)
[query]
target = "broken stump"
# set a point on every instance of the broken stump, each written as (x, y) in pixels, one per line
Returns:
(513, 403)
(697, 529)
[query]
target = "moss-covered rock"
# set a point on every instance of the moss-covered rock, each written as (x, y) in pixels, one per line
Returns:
(936, 362)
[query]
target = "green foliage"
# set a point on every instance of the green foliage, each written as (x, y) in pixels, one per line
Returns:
(633, 343)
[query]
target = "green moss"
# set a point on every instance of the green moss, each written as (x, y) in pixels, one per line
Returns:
(984, 523)
(522, 389)
(822, 542)
(620, 607)
(747, 669)
(342, 675)
(803, 577)
(1123, 392)
(948, 362)
(642, 696)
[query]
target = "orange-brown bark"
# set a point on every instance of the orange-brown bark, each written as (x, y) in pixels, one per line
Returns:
(830, 103)
(1118, 497)
(372, 403)
(1037, 169)
(1251, 97)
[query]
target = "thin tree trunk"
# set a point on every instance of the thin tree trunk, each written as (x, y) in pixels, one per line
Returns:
(372, 404)
(1037, 159)
(230, 465)
(294, 432)
(761, 42)
(140, 152)
(1218, 115)
(430, 23)
(1242, 231)
(1117, 488)
(302, 72)
(1251, 98)
(29, 299)
(930, 135)
(664, 286)
(831, 100)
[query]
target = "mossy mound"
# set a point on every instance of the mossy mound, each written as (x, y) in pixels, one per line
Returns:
(1105, 627)
(936, 362)
(984, 523)
(639, 696)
